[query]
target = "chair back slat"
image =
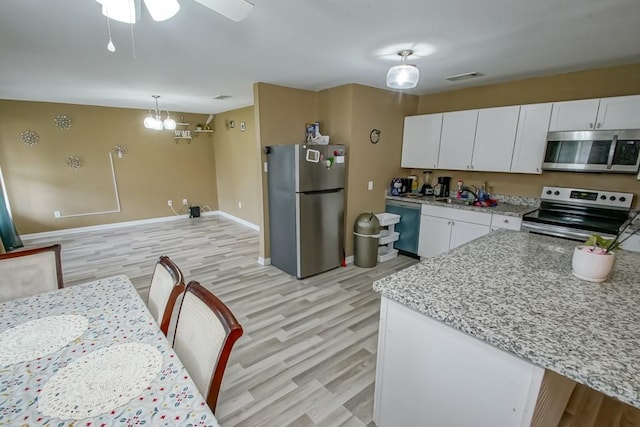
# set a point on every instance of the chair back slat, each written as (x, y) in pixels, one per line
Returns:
(205, 334)
(167, 284)
(30, 271)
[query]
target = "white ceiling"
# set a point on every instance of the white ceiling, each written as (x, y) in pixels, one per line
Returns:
(55, 50)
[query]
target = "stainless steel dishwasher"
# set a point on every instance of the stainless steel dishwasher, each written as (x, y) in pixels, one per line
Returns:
(408, 227)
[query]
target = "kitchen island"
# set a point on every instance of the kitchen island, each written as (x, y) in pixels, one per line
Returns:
(491, 316)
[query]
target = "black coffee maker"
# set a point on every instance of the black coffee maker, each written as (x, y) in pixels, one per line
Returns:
(444, 185)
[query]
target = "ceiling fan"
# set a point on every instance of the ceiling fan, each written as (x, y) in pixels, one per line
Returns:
(128, 11)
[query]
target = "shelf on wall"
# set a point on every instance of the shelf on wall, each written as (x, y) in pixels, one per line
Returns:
(203, 131)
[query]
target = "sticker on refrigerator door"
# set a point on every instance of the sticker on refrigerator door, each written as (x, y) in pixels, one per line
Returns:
(313, 156)
(339, 159)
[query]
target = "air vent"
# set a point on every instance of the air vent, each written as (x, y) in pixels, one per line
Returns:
(464, 76)
(221, 97)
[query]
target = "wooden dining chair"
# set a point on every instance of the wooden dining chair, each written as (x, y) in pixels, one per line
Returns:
(30, 271)
(167, 283)
(205, 334)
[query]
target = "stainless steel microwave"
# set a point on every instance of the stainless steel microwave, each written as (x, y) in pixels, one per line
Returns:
(593, 151)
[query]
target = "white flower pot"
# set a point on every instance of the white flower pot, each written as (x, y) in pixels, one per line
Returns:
(591, 266)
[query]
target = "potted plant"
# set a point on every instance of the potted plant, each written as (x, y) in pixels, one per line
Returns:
(594, 260)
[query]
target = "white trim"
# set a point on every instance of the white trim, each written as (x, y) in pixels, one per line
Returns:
(63, 232)
(349, 259)
(264, 261)
(239, 220)
(115, 189)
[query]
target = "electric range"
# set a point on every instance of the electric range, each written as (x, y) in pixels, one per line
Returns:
(576, 214)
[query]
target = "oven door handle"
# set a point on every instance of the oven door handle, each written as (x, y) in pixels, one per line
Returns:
(555, 230)
(612, 151)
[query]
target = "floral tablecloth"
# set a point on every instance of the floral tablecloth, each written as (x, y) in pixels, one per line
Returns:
(116, 315)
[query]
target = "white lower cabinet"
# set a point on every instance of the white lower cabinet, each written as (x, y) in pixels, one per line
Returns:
(430, 374)
(442, 229)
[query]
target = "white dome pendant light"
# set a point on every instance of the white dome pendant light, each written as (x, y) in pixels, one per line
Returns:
(403, 76)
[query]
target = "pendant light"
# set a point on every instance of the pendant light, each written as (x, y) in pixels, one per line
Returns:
(155, 122)
(403, 76)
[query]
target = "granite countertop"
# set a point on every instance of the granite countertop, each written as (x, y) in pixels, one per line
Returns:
(515, 206)
(516, 291)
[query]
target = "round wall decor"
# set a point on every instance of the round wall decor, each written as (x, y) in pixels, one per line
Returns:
(62, 121)
(72, 162)
(29, 137)
(374, 136)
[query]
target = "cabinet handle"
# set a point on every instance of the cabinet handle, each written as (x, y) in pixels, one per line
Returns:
(449, 222)
(590, 125)
(598, 125)
(506, 221)
(537, 169)
(471, 166)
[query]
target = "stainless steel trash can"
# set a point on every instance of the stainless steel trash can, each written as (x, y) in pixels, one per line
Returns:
(366, 234)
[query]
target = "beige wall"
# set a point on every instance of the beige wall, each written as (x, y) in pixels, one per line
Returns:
(347, 114)
(370, 109)
(281, 114)
(237, 165)
(154, 169)
(604, 82)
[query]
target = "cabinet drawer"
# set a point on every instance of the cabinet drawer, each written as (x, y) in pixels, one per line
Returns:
(506, 221)
(457, 214)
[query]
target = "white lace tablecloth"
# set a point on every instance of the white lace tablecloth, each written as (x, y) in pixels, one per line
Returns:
(41, 391)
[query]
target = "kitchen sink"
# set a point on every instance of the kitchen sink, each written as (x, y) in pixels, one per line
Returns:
(451, 201)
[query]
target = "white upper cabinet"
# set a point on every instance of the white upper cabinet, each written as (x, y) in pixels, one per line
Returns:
(421, 140)
(531, 138)
(495, 136)
(574, 115)
(620, 112)
(456, 142)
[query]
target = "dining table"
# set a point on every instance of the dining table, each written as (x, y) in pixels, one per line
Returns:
(92, 355)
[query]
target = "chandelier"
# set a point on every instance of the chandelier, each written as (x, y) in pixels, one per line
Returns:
(154, 120)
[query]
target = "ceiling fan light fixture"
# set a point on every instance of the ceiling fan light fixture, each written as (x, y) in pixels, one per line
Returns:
(403, 76)
(161, 10)
(236, 10)
(120, 10)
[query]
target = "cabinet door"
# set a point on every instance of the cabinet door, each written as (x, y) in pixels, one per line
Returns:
(421, 141)
(621, 112)
(574, 115)
(531, 138)
(495, 136)
(435, 234)
(504, 221)
(463, 232)
(456, 143)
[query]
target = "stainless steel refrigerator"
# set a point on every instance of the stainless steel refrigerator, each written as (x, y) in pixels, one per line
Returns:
(306, 207)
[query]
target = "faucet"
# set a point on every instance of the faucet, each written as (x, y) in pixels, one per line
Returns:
(466, 189)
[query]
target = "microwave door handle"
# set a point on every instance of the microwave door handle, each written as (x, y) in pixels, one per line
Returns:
(612, 151)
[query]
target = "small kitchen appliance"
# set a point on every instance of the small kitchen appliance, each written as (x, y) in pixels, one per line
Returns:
(427, 189)
(444, 184)
(576, 214)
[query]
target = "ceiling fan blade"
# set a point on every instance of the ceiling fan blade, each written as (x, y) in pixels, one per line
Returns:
(236, 10)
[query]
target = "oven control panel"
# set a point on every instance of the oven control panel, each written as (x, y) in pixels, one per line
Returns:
(582, 196)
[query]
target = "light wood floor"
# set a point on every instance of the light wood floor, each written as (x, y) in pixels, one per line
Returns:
(309, 350)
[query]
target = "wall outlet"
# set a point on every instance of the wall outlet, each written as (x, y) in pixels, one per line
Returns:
(56, 214)
(185, 202)
(169, 203)
(240, 205)
(370, 185)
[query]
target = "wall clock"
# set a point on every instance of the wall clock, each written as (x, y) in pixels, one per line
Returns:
(374, 136)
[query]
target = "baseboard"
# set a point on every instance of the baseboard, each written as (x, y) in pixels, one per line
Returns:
(66, 231)
(264, 261)
(239, 220)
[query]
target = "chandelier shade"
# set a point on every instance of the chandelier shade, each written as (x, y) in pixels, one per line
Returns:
(403, 76)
